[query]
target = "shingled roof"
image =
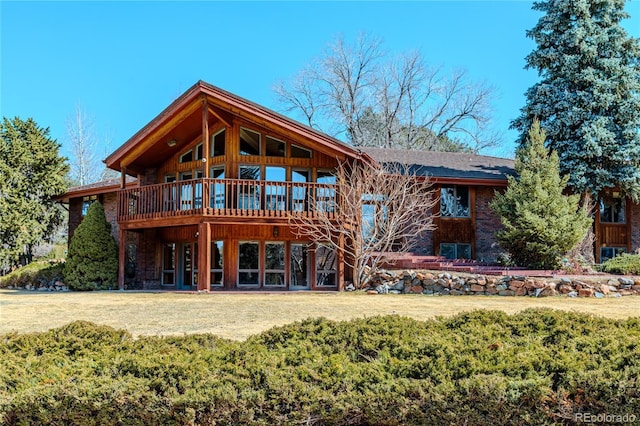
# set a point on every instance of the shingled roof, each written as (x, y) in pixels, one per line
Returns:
(447, 165)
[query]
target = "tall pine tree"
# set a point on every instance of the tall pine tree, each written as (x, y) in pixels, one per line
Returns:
(541, 224)
(588, 99)
(32, 172)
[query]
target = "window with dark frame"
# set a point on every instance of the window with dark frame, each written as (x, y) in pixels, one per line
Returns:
(455, 250)
(218, 143)
(326, 266)
(217, 263)
(274, 264)
(250, 142)
(613, 208)
(249, 263)
(454, 201)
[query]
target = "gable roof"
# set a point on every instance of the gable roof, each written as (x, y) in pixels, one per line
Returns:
(223, 105)
(448, 166)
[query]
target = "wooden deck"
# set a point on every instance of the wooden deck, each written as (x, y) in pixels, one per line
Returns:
(231, 198)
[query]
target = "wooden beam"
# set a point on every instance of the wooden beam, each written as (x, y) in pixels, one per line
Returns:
(206, 144)
(220, 116)
(204, 256)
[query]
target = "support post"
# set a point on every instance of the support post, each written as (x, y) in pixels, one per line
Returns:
(206, 144)
(121, 258)
(340, 256)
(204, 256)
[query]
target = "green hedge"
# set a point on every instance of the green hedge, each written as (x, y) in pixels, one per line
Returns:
(484, 367)
(35, 273)
(623, 264)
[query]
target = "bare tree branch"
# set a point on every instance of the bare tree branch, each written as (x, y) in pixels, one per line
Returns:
(85, 166)
(379, 210)
(359, 92)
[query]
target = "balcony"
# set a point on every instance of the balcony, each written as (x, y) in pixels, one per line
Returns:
(235, 198)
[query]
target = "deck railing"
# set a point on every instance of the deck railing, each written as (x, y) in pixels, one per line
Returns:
(225, 197)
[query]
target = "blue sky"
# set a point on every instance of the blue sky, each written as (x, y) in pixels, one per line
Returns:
(123, 62)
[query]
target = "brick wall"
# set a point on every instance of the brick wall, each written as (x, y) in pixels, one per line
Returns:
(424, 247)
(110, 204)
(487, 223)
(75, 215)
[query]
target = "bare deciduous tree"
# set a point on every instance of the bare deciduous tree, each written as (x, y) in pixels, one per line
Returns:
(359, 92)
(85, 166)
(378, 210)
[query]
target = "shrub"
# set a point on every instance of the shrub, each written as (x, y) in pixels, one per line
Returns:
(534, 367)
(623, 264)
(41, 272)
(92, 262)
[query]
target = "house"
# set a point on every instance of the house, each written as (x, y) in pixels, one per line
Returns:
(208, 186)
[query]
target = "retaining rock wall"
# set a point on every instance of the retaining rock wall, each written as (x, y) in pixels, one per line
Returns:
(421, 282)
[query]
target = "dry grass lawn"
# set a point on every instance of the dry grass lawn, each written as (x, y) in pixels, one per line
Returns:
(237, 315)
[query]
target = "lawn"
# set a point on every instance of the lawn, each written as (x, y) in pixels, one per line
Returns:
(240, 315)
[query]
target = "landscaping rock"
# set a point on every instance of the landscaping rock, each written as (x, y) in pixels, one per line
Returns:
(585, 292)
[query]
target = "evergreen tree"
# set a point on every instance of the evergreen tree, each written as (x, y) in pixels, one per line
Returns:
(31, 173)
(588, 99)
(541, 224)
(92, 262)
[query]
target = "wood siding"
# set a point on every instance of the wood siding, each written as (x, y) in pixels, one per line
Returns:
(458, 229)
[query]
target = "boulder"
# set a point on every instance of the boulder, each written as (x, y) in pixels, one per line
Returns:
(506, 293)
(626, 281)
(417, 289)
(477, 288)
(585, 292)
(522, 291)
(501, 287)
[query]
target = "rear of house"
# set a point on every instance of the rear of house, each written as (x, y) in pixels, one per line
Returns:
(208, 186)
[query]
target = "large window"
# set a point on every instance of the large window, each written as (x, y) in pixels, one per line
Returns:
(274, 264)
(217, 262)
(299, 152)
(454, 201)
(276, 195)
(218, 190)
(299, 193)
(249, 142)
(374, 216)
(325, 196)
(218, 143)
(299, 269)
(275, 147)
(169, 264)
(612, 208)
(249, 263)
(455, 250)
(326, 266)
(249, 192)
